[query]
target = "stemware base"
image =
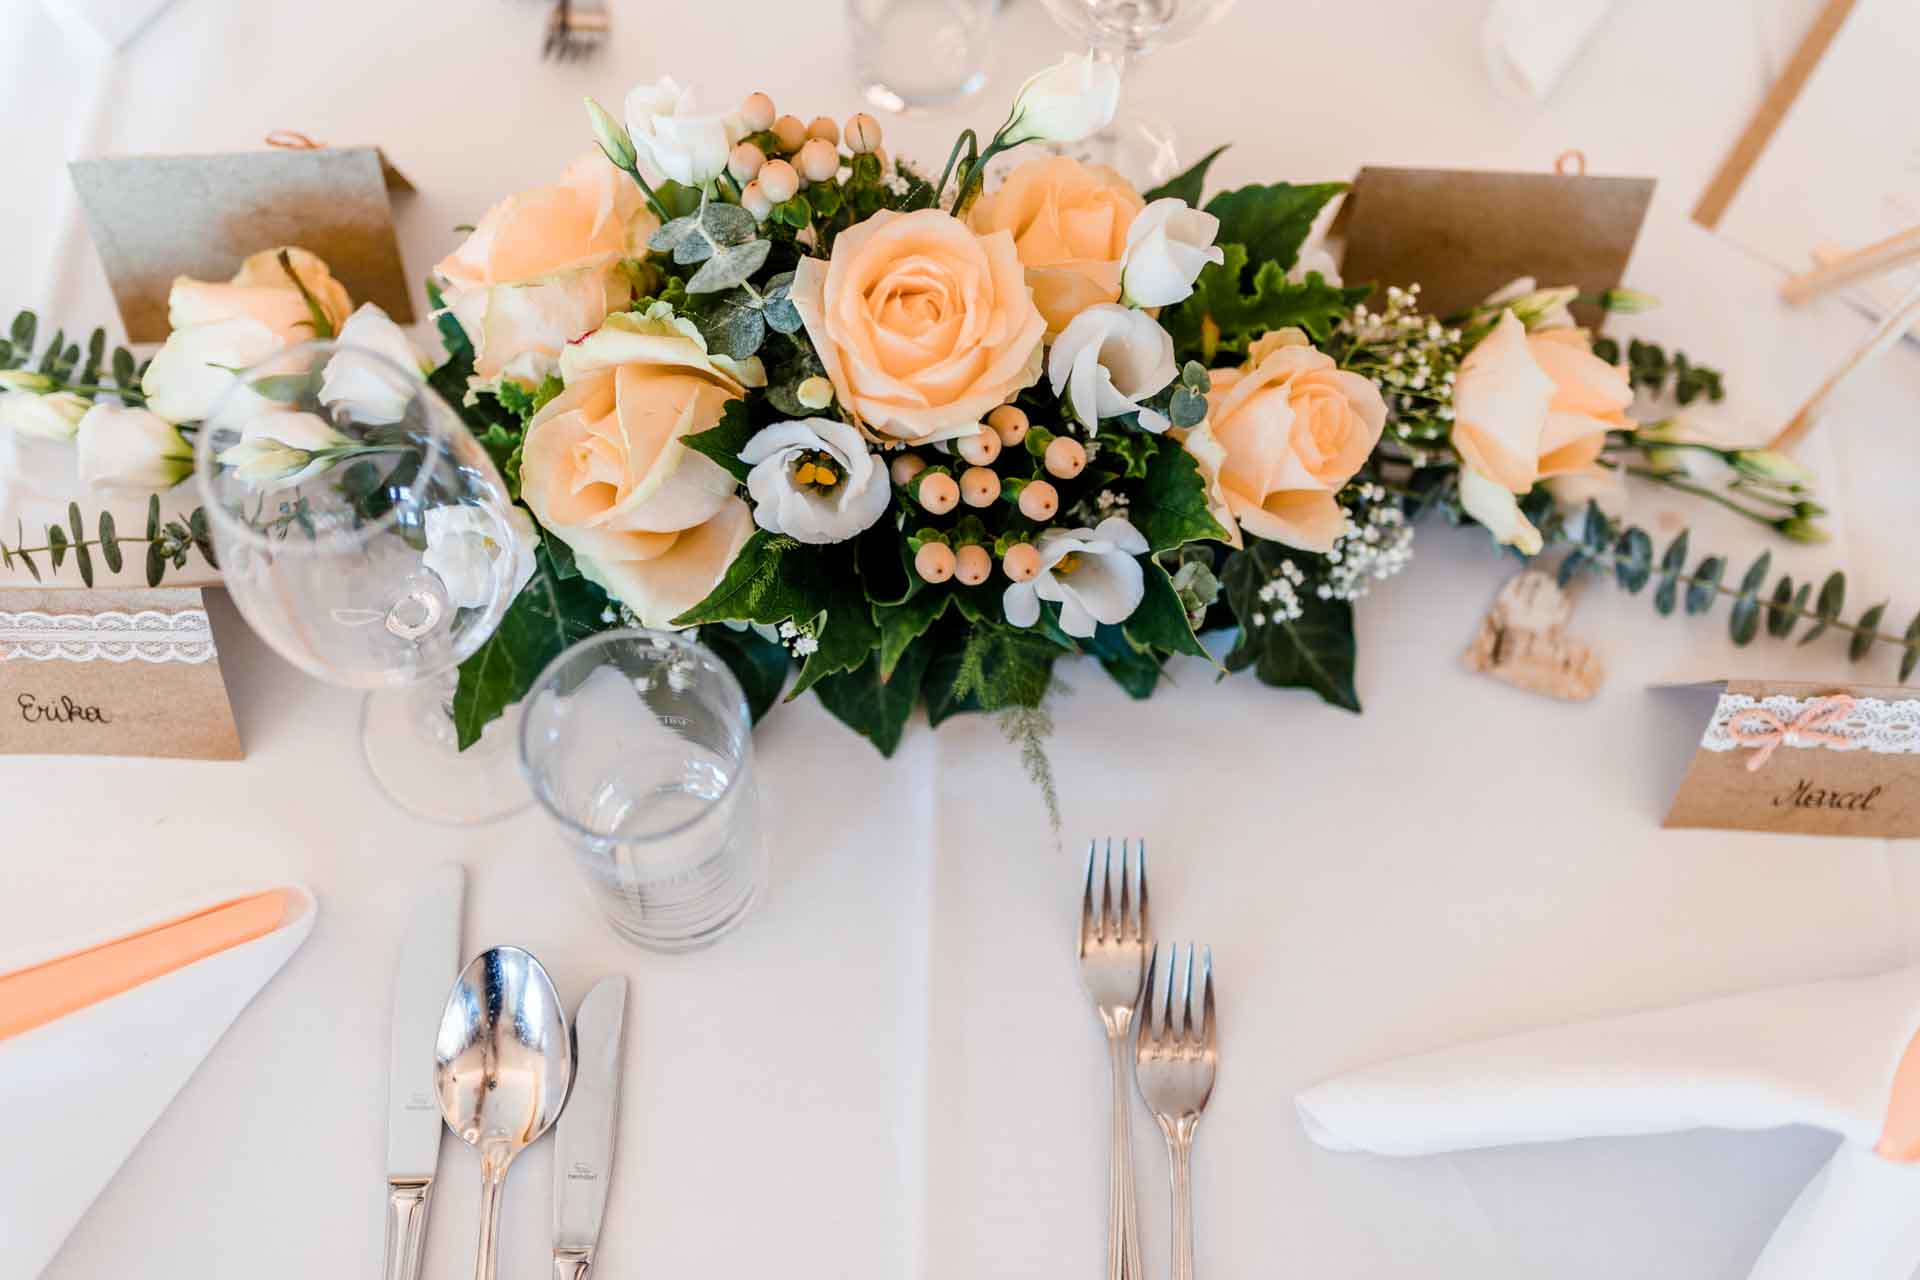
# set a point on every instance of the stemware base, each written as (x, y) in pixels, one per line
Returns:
(415, 758)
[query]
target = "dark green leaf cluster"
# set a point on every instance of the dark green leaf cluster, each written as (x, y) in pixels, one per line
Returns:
(1649, 367)
(65, 365)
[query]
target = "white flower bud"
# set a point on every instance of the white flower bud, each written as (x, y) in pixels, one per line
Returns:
(54, 417)
(612, 135)
(130, 449)
(1068, 102)
(1168, 245)
(688, 148)
(24, 380)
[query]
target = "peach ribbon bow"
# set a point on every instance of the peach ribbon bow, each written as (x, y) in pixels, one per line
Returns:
(1760, 728)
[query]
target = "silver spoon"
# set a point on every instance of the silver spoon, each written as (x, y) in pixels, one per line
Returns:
(503, 1064)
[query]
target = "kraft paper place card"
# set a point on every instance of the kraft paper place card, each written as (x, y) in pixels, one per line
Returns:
(112, 673)
(1805, 759)
(157, 217)
(1461, 234)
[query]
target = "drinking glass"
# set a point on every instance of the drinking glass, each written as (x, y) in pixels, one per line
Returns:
(920, 53)
(640, 745)
(366, 536)
(1140, 145)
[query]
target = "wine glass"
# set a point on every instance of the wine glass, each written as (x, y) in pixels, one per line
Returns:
(1139, 145)
(367, 537)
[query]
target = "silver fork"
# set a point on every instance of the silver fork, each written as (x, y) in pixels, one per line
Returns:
(1175, 1067)
(575, 29)
(1116, 937)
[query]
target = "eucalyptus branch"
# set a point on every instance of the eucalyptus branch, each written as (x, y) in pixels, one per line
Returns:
(167, 543)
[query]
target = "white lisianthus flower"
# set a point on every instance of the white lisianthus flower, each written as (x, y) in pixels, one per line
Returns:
(1167, 246)
(1537, 308)
(54, 417)
(278, 450)
(815, 480)
(1068, 102)
(129, 449)
(376, 380)
(1494, 506)
(197, 365)
(1109, 359)
(464, 550)
(1091, 573)
(688, 148)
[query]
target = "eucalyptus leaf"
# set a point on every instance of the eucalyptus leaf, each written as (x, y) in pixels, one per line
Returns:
(109, 546)
(1832, 599)
(669, 236)
(1780, 611)
(1706, 584)
(1911, 658)
(731, 267)
(728, 224)
(1186, 409)
(56, 545)
(1633, 560)
(1866, 632)
(695, 248)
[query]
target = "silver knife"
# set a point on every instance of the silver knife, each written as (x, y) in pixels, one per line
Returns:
(583, 1157)
(429, 962)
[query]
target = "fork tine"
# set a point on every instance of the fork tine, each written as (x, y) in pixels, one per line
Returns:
(1187, 1025)
(1106, 894)
(1206, 1003)
(1166, 1001)
(1149, 1034)
(1144, 929)
(1086, 902)
(1123, 923)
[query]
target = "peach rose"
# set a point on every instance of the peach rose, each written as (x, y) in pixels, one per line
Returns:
(923, 326)
(1526, 407)
(541, 268)
(1282, 438)
(262, 291)
(603, 469)
(1069, 221)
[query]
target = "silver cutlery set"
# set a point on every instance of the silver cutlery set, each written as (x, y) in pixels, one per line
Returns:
(1157, 1036)
(495, 1060)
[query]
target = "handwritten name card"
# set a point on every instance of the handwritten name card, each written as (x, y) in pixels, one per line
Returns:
(1838, 760)
(120, 673)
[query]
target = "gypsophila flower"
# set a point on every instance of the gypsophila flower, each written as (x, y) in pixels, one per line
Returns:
(1377, 544)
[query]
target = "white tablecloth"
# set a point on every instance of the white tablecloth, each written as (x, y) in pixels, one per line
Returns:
(892, 1071)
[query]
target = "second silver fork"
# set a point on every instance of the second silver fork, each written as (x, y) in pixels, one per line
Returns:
(1116, 936)
(1177, 1058)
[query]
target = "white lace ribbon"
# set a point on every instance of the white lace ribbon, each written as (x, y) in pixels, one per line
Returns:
(1883, 726)
(149, 635)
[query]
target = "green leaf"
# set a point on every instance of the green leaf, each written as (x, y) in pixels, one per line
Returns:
(1911, 658)
(109, 545)
(1756, 574)
(1672, 565)
(1833, 598)
(987, 668)
(1171, 508)
(153, 516)
(1314, 651)
(1866, 632)
(728, 224)
(1190, 185)
(902, 624)
(1271, 221)
(723, 441)
(773, 579)
(877, 706)
(56, 545)
(156, 564)
(1633, 560)
(546, 617)
(1223, 314)
(761, 666)
(731, 267)
(1134, 668)
(1743, 623)
(123, 369)
(731, 323)
(1706, 584)
(1782, 608)
(1161, 620)
(844, 636)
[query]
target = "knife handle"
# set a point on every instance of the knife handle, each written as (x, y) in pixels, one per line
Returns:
(406, 1228)
(572, 1264)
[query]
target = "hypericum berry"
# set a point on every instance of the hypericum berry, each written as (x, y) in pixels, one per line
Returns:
(818, 160)
(1010, 422)
(814, 393)
(780, 180)
(979, 486)
(754, 200)
(1021, 562)
(1065, 457)
(972, 565)
(756, 113)
(744, 161)
(789, 134)
(824, 127)
(980, 449)
(1039, 500)
(862, 134)
(938, 493)
(934, 562)
(905, 467)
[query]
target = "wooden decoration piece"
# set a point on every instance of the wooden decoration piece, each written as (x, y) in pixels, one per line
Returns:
(1524, 642)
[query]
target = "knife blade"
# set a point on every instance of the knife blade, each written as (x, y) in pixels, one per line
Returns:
(583, 1158)
(429, 963)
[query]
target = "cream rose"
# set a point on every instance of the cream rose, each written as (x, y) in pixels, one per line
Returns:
(541, 268)
(1069, 222)
(1280, 441)
(261, 290)
(1526, 407)
(924, 327)
(603, 469)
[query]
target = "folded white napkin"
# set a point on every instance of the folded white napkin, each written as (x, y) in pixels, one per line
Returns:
(82, 1090)
(1529, 44)
(1820, 1054)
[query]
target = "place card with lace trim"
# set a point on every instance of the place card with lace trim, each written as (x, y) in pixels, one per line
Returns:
(120, 673)
(1814, 759)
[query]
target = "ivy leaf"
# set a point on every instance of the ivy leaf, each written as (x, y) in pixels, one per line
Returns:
(731, 267)
(1171, 509)
(772, 580)
(1225, 315)
(723, 441)
(1161, 620)
(877, 706)
(844, 637)
(547, 616)
(1136, 671)
(1189, 185)
(761, 666)
(1314, 651)
(1271, 221)
(905, 623)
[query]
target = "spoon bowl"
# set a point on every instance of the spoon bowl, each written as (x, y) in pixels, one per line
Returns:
(503, 1064)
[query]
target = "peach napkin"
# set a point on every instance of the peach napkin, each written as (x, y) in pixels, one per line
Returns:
(95, 1044)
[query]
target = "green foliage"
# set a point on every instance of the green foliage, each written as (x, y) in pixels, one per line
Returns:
(774, 579)
(1232, 305)
(723, 441)
(874, 705)
(987, 668)
(1649, 366)
(1314, 651)
(549, 615)
(523, 401)
(1161, 620)
(761, 666)
(1171, 506)
(1272, 221)
(1189, 185)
